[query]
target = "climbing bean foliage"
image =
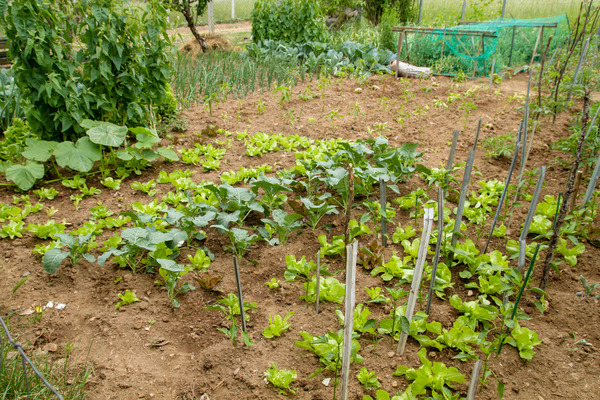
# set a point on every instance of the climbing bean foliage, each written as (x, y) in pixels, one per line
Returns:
(102, 60)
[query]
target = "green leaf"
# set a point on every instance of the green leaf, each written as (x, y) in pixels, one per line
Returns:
(105, 133)
(39, 150)
(79, 157)
(167, 153)
(52, 259)
(25, 176)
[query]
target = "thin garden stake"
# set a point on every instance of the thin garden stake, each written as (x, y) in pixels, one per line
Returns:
(382, 200)
(474, 380)
(318, 280)
(463, 196)
(452, 151)
(464, 9)
(526, 122)
(593, 180)
(529, 218)
(514, 311)
(436, 257)
(351, 251)
(238, 283)
(579, 65)
(492, 72)
(477, 135)
(417, 276)
(505, 190)
(503, 9)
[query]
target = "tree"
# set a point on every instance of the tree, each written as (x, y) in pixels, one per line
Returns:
(374, 9)
(185, 7)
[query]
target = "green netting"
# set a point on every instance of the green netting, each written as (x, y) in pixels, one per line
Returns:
(471, 47)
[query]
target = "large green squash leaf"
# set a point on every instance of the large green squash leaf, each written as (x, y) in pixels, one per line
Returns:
(25, 175)
(105, 133)
(80, 156)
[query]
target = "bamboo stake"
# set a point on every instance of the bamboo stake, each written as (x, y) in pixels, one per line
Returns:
(474, 380)
(382, 200)
(351, 251)
(579, 65)
(463, 196)
(452, 150)
(505, 190)
(477, 135)
(400, 34)
(318, 280)
(593, 180)
(464, 9)
(417, 276)
(527, 224)
(238, 283)
(436, 257)
(492, 72)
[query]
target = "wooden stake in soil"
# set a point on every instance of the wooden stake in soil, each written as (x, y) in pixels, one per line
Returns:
(527, 224)
(238, 283)
(477, 135)
(382, 201)
(436, 257)
(492, 72)
(474, 380)
(593, 180)
(349, 204)
(417, 276)
(463, 196)
(318, 280)
(579, 65)
(351, 251)
(575, 191)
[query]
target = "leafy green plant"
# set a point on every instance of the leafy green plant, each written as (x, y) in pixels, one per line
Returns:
(335, 248)
(283, 224)
(126, 298)
(314, 212)
(229, 305)
(46, 193)
(570, 254)
(277, 325)
(139, 243)
(588, 290)
(361, 323)
(81, 58)
(147, 187)
(79, 246)
(524, 339)
(281, 378)
(328, 348)
(435, 376)
(200, 260)
(330, 289)
(171, 272)
(272, 284)
(207, 281)
(47, 230)
(375, 295)
(500, 146)
(368, 379)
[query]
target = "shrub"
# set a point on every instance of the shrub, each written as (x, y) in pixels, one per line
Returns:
(96, 59)
(290, 21)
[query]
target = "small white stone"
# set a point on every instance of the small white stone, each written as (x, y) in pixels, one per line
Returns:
(326, 381)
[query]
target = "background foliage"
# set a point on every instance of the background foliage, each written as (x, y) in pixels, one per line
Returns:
(117, 71)
(288, 20)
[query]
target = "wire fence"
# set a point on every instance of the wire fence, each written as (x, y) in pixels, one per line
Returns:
(25, 361)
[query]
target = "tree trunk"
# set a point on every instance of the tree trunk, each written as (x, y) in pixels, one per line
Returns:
(187, 14)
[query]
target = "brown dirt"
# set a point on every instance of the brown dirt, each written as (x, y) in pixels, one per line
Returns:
(150, 350)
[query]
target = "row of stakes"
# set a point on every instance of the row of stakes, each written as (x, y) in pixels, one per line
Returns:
(521, 145)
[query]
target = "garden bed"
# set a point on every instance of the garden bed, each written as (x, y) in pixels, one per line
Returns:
(152, 350)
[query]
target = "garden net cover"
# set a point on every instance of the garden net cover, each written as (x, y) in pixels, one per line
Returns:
(472, 47)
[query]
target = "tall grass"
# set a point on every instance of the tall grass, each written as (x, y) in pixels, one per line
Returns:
(448, 12)
(68, 379)
(216, 75)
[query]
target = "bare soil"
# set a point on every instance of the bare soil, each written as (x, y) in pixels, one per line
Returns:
(150, 350)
